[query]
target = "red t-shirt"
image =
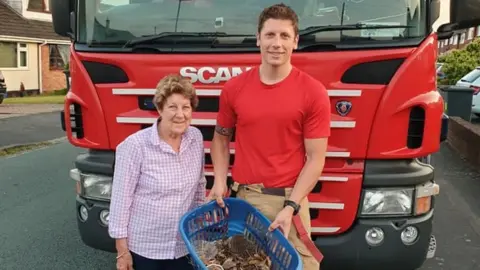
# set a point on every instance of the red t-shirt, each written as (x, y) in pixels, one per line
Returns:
(271, 123)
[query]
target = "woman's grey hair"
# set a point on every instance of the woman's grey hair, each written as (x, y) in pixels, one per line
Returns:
(174, 84)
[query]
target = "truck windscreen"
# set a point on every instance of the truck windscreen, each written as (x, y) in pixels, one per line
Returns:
(115, 23)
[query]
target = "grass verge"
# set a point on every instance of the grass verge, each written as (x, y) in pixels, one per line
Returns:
(53, 99)
(17, 149)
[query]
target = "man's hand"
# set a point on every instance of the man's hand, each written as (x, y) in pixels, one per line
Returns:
(283, 221)
(217, 192)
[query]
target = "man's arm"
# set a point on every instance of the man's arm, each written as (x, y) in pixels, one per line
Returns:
(316, 130)
(316, 150)
(220, 153)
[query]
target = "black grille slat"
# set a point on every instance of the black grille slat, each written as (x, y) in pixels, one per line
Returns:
(416, 126)
(145, 103)
(76, 120)
(210, 181)
(105, 73)
(208, 159)
(208, 104)
(317, 188)
(209, 131)
(375, 72)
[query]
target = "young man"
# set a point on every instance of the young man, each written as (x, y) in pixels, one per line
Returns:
(282, 121)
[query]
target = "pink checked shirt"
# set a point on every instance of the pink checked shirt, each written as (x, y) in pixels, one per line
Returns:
(152, 188)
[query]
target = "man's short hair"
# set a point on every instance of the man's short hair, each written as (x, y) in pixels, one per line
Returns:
(278, 12)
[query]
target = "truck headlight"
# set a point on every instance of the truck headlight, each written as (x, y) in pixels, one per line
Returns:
(387, 201)
(93, 186)
(399, 201)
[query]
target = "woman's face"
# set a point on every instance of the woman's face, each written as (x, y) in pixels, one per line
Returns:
(176, 114)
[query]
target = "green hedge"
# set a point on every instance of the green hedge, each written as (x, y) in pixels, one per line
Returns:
(458, 63)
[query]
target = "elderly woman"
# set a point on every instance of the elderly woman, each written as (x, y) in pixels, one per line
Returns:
(158, 177)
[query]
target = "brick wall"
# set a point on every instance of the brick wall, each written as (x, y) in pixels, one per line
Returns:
(459, 40)
(464, 137)
(52, 79)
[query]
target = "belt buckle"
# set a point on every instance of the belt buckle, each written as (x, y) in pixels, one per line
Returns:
(235, 186)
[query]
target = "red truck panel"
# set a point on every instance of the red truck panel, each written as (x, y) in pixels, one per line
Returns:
(376, 126)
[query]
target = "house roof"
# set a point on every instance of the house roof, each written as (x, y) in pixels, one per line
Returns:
(15, 25)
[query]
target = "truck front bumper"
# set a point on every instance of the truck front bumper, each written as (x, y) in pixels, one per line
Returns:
(91, 224)
(347, 251)
(351, 250)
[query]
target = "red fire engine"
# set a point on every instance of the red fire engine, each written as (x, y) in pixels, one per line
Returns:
(373, 206)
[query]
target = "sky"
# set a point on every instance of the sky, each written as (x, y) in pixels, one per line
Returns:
(444, 14)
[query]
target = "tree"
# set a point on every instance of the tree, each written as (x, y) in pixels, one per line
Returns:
(458, 63)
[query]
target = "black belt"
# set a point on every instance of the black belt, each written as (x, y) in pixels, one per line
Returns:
(267, 191)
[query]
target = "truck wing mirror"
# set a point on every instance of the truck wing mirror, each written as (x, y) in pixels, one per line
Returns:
(463, 14)
(63, 17)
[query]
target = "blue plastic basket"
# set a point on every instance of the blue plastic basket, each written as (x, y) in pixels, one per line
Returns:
(210, 222)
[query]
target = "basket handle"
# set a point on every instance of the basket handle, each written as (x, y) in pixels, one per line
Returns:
(213, 203)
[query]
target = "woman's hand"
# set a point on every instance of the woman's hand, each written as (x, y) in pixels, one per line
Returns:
(124, 257)
(125, 261)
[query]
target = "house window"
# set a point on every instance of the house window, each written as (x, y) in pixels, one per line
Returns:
(13, 55)
(22, 55)
(58, 56)
(471, 33)
(36, 5)
(462, 38)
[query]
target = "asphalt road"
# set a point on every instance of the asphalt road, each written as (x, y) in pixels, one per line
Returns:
(29, 129)
(38, 228)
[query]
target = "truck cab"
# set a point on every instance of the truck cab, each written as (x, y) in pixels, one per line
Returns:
(373, 206)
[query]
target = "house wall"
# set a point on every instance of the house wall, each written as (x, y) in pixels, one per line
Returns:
(459, 40)
(15, 4)
(28, 75)
(44, 15)
(52, 79)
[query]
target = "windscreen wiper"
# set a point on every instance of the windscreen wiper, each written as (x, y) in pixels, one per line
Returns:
(145, 39)
(357, 26)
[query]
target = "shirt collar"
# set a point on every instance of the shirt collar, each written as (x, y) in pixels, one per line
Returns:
(155, 138)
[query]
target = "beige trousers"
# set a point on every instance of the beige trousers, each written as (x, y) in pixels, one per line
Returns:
(270, 206)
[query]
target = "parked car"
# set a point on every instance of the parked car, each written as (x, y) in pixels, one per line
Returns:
(440, 73)
(469, 78)
(3, 87)
(476, 97)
